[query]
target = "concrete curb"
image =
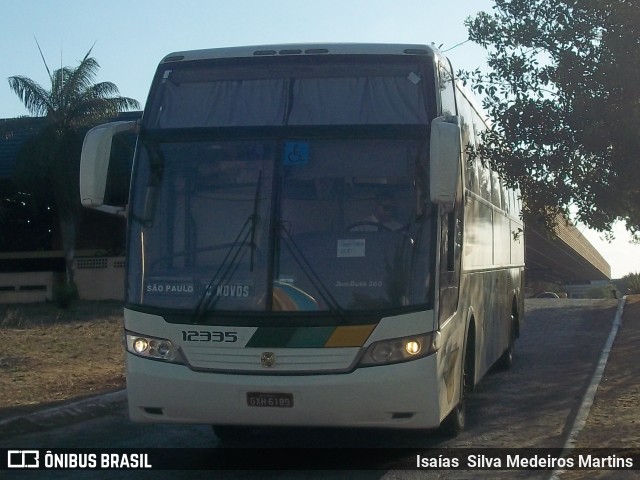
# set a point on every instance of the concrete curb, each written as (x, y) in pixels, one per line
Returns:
(63, 414)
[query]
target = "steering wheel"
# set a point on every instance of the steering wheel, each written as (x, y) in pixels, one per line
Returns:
(378, 225)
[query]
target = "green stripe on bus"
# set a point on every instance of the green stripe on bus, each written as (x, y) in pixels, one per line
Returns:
(271, 337)
(310, 337)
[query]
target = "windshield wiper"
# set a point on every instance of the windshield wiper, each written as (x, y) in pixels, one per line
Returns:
(254, 219)
(311, 274)
(230, 264)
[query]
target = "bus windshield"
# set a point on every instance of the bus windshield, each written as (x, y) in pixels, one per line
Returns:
(268, 221)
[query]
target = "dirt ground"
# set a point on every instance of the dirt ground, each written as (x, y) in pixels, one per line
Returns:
(614, 419)
(50, 355)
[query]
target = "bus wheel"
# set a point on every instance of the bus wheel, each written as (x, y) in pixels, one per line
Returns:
(455, 422)
(505, 362)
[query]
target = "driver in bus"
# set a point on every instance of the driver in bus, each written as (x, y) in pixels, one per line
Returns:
(383, 217)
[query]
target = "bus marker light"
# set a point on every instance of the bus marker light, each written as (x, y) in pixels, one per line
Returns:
(152, 347)
(395, 350)
(140, 345)
(412, 347)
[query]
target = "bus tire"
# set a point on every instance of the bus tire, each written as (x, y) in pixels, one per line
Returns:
(456, 421)
(505, 362)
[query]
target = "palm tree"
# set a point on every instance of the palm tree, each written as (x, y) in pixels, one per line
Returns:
(72, 104)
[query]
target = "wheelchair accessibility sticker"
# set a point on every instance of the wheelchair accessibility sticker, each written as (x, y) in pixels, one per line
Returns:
(296, 153)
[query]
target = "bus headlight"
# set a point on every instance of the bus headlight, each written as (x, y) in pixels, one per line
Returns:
(140, 345)
(152, 347)
(402, 349)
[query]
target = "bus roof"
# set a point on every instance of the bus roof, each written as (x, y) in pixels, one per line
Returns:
(303, 49)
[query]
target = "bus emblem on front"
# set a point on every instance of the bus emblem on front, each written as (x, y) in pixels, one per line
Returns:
(268, 359)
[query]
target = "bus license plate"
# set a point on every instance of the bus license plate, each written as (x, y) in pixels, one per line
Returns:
(278, 400)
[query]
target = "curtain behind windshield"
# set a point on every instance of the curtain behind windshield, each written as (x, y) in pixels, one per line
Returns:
(223, 104)
(341, 95)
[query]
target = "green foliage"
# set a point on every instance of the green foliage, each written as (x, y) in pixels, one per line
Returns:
(563, 93)
(48, 165)
(608, 291)
(65, 295)
(632, 282)
(73, 100)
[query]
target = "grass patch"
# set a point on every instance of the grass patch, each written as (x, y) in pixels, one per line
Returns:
(50, 354)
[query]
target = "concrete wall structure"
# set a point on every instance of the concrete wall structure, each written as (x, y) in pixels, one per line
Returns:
(97, 278)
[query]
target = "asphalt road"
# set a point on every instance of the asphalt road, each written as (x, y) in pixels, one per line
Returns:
(533, 405)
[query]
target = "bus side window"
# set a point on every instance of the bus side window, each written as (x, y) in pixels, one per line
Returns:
(447, 90)
(485, 183)
(471, 172)
(468, 142)
(496, 191)
(484, 172)
(451, 255)
(507, 198)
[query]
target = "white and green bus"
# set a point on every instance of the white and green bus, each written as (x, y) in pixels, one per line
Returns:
(309, 242)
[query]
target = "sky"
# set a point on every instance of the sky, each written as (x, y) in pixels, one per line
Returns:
(130, 38)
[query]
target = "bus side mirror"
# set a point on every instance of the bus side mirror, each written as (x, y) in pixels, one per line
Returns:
(94, 164)
(444, 161)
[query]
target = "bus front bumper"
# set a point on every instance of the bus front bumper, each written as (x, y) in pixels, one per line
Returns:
(403, 395)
